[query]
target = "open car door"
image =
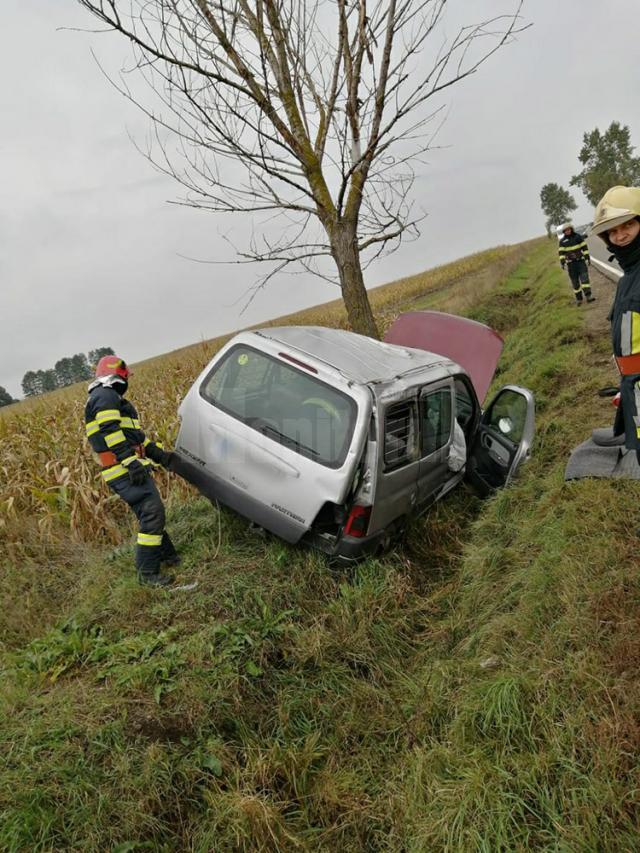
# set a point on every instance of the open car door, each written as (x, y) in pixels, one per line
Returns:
(470, 344)
(503, 439)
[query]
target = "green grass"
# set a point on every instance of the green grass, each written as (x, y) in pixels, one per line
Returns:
(475, 690)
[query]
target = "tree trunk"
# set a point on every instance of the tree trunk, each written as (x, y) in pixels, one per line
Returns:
(344, 248)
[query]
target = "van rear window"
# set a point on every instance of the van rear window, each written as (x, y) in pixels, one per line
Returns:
(284, 403)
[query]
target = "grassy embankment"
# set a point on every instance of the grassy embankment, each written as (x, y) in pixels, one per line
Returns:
(476, 690)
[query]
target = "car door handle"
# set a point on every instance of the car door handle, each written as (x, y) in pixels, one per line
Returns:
(497, 453)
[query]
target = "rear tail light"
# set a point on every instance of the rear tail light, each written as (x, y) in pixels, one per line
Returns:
(358, 521)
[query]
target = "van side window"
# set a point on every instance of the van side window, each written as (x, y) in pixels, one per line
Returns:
(465, 405)
(435, 420)
(399, 435)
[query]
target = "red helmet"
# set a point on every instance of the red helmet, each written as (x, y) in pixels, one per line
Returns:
(112, 365)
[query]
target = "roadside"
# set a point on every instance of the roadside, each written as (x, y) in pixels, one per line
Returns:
(604, 290)
(475, 690)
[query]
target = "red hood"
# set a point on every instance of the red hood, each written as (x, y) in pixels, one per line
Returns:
(472, 345)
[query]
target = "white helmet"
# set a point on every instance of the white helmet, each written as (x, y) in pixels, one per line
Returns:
(617, 206)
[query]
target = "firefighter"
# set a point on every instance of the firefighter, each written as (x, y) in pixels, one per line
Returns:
(617, 222)
(127, 458)
(574, 254)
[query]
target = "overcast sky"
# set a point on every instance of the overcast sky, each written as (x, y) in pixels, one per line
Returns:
(90, 248)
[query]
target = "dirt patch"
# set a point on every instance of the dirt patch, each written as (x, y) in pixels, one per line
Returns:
(596, 322)
(148, 725)
(596, 312)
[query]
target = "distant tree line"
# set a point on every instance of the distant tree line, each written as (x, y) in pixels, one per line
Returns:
(5, 397)
(607, 160)
(75, 368)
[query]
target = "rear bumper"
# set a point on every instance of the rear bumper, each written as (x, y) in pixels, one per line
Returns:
(343, 549)
(346, 549)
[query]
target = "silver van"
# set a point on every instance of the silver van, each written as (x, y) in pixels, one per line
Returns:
(332, 439)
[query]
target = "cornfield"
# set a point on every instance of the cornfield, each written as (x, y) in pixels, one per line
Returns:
(51, 493)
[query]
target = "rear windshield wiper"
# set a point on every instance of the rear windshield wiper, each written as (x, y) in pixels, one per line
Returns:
(267, 429)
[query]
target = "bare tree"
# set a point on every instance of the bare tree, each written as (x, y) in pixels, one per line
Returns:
(313, 109)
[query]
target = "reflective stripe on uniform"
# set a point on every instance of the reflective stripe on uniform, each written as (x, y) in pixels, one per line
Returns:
(129, 423)
(153, 539)
(635, 332)
(573, 248)
(114, 438)
(107, 415)
(628, 365)
(630, 333)
(126, 462)
(114, 472)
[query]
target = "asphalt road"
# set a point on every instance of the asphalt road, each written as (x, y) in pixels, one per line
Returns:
(600, 258)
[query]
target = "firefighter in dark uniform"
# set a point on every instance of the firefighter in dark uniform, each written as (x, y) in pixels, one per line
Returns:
(617, 222)
(127, 458)
(574, 255)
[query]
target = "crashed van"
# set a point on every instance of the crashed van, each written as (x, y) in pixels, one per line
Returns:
(336, 440)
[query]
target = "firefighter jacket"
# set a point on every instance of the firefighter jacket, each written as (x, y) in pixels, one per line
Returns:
(573, 247)
(114, 432)
(625, 338)
(625, 319)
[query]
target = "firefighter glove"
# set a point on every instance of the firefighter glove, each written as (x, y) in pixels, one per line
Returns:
(562, 263)
(137, 473)
(158, 454)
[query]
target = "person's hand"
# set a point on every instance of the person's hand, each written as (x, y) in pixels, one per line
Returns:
(589, 261)
(562, 263)
(137, 473)
(165, 458)
(158, 454)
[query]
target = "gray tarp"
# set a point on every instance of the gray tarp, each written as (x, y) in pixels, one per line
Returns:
(603, 455)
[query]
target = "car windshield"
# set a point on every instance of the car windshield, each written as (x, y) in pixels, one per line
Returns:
(284, 403)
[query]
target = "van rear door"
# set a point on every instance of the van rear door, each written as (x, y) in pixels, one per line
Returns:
(272, 437)
(396, 483)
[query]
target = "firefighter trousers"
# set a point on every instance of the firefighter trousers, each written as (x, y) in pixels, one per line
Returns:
(579, 275)
(154, 545)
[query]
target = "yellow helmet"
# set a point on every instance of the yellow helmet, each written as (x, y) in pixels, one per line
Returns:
(617, 205)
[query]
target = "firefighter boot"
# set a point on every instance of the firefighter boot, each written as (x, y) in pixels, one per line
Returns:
(168, 554)
(588, 294)
(148, 558)
(154, 579)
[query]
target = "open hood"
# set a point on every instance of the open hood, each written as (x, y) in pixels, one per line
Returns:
(472, 345)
